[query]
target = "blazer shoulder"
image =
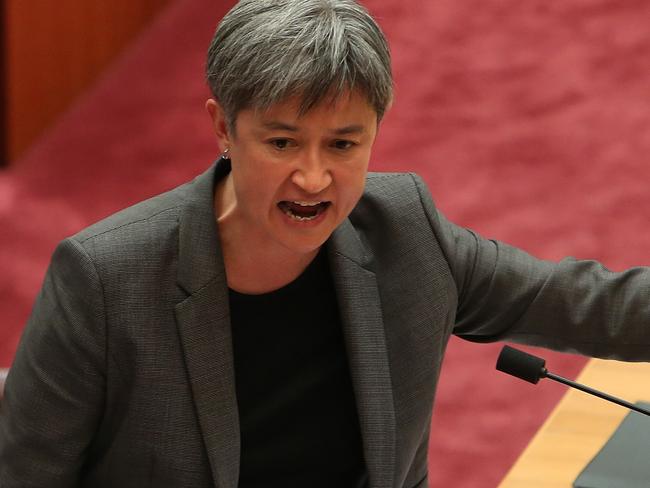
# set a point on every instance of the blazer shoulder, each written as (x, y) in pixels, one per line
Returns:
(399, 207)
(403, 193)
(387, 182)
(150, 218)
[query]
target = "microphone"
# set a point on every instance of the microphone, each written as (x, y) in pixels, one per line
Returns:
(531, 368)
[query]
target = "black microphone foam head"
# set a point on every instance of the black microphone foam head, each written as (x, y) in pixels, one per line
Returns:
(520, 364)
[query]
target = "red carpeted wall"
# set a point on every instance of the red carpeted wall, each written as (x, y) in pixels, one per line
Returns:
(528, 120)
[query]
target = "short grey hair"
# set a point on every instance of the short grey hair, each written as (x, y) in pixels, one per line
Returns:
(266, 51)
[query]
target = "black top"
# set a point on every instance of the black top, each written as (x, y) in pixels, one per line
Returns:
(298, 417)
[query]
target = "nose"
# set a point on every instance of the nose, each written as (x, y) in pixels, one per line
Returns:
(312, 175)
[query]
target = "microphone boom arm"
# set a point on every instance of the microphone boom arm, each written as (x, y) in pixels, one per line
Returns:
(597, 393)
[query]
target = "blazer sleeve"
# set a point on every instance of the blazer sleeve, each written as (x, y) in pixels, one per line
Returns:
(55, 390)
(573, 305)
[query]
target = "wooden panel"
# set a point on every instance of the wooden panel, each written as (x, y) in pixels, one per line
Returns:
(55, 49)
(3, 90)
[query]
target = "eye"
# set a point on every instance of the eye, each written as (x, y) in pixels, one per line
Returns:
(280, 143)
(343, 144)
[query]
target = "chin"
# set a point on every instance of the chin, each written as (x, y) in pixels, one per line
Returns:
(304, 248)
(303, 245)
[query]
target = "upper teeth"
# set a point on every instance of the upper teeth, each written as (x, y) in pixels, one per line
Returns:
(307, 204)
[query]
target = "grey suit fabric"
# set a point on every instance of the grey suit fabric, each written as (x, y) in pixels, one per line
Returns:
(124, 375)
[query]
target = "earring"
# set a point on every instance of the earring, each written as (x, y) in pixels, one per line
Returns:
(226, 153)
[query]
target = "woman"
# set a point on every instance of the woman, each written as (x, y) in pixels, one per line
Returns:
(280, 320)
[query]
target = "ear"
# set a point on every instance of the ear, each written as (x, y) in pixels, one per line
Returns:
(219, 124)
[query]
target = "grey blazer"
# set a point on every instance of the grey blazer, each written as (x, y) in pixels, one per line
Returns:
(124, 374)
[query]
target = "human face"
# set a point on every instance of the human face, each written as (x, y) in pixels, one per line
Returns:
(294, 177)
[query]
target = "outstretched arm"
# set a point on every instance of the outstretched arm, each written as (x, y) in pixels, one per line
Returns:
(574, 305)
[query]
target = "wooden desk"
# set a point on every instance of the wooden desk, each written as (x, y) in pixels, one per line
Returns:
(579, 426)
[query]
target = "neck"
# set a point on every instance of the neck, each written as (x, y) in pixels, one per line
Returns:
(252, 267)
(257, 275)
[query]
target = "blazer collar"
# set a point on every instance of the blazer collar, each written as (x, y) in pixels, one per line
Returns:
(203, 321)
(199, 257)
(204, 326)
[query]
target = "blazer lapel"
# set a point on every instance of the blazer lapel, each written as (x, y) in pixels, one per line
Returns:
(203, 321)
(363, 329)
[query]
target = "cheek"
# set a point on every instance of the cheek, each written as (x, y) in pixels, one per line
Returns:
(258, 189)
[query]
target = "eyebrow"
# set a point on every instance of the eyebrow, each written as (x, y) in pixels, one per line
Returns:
(348, 129)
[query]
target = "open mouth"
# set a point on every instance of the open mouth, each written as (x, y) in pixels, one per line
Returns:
(303, 211)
